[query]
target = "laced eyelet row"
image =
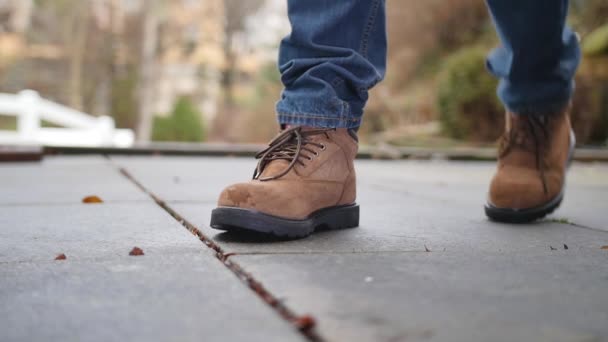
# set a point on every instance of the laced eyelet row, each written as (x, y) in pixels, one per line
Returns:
(289, 146)
(316, 153)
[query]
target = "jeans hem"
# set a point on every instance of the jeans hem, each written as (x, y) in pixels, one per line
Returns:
(316, 120)
(541, 108)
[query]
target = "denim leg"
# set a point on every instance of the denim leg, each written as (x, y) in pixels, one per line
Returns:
(538, 56)
(335, 53)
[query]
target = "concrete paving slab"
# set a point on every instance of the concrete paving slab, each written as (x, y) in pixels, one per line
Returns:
(412, 226)
(178, 290)
(187, 179)
(64, 180)
(183, 172)
(585, 206)
(480, 281)
(396, 219)
(184, 296)
(89, 231)
(466, 182)
(445, 296)
(405, 206)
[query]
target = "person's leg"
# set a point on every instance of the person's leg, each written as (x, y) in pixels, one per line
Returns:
(535, 63)
(335, 53)
(306, 179)
(538, 55)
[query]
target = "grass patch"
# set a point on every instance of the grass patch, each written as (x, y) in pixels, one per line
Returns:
(8, 123)
(561, 220)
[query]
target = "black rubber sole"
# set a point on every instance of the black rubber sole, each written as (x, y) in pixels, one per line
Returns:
(508, 215)
(247, 220)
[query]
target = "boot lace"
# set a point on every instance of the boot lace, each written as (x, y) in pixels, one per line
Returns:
(292, 145)
(531, 136)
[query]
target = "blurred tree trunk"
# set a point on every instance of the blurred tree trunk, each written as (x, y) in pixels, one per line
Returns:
(147, 74)
(236, 13)
(229, 72)
(21, 18)
(79, 29)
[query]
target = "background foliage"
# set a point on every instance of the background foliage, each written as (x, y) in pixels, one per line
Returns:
(437, 91)
(184, 124)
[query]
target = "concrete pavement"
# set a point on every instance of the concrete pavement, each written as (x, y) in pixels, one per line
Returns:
(425, 264)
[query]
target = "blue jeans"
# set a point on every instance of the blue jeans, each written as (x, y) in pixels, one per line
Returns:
(336, 53)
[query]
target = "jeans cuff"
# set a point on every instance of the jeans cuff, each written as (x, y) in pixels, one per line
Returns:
(521, 99)
(316, 120)
(319, 112)
(539, 108)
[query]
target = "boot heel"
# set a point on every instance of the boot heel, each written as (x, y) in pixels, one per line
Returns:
(338, 217)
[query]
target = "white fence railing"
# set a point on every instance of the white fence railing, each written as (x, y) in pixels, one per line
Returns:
(78, 129)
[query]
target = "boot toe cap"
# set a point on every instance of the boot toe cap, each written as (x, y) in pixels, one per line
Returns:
(237, 195)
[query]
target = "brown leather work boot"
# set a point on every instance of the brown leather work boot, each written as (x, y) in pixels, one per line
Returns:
(304, 180)
(534, 154)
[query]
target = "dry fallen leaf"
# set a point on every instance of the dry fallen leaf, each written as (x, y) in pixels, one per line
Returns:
(305, 323)
(136, 251)
(61, 257)
(604, 247)
(92, 199)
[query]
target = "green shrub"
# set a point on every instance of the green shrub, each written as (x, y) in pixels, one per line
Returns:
(466, 97)
(184, 124)
(589, 113)
(124, 106)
